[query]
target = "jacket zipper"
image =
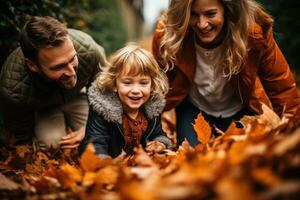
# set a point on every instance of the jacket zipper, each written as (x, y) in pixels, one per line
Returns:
(151, 129)
(121, 131)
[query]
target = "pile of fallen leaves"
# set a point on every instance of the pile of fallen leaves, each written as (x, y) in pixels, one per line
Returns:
(261, 161)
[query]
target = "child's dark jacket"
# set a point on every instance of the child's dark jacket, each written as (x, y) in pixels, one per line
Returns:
(104, 125)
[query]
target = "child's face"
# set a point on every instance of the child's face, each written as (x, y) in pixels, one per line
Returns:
(133, 91)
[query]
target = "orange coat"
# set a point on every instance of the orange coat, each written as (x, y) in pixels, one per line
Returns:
(265, 76)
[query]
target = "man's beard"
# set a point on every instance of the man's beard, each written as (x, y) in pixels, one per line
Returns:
(57, 82)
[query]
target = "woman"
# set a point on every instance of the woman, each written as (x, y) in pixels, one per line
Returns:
(221, 60)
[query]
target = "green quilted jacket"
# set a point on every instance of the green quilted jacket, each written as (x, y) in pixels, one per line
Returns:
(22, 91)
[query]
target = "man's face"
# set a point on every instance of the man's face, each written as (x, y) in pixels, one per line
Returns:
(59, 64)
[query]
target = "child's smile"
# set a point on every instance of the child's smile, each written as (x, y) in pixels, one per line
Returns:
(133, 91)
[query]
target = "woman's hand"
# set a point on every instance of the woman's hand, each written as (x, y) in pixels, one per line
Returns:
(155, 147)
(72, 139)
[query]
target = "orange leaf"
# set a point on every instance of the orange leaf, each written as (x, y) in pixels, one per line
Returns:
(265, 176)
(236, 153)
(68, 176)
(233, 130)
(202, 129)
(90, 161)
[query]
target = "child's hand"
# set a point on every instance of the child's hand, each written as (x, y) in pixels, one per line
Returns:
(155, 146)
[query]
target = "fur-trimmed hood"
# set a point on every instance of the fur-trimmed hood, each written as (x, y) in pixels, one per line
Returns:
(109, 106)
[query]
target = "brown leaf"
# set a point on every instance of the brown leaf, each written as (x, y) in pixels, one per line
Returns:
(46, 184)
(21, 150)
(202, 129)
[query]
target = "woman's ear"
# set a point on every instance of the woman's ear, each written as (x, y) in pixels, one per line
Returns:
(31, 65)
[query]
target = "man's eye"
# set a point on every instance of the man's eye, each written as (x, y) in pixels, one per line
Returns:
(73, 59)
(59, 67)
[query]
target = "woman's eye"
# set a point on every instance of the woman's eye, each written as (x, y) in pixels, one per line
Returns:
(211, 14)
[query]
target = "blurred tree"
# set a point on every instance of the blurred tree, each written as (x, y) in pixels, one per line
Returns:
(286, 28)
(101, 19)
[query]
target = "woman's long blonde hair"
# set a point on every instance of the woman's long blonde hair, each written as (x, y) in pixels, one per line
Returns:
(133, 60)
(239, 17)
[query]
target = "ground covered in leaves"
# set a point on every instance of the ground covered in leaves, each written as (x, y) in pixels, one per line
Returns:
(261, 161)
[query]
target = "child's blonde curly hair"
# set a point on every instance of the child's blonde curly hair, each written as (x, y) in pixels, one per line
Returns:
(133, 60)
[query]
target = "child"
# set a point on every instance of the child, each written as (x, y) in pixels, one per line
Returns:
(126, 101)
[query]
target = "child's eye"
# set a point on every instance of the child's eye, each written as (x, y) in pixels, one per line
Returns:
(126, 82)
(145, 82)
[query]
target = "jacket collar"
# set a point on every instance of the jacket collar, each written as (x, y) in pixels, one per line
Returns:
(109, 106)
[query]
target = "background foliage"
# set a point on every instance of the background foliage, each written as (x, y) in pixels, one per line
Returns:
(286, 28)
(101, 19)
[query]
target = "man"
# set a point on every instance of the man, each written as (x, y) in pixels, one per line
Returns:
(43, 83)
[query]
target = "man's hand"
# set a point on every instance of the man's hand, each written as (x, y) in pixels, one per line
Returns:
(155, 146)
(72, 139)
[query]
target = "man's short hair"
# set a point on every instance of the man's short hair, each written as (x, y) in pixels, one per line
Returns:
(39, 32)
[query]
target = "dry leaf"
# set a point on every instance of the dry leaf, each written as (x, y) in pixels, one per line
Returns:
(202, 128)
(7, 184)
(90, 161)
(288, 143)
(265, 176)
(68, 176)
(269, 117)
(229, 188)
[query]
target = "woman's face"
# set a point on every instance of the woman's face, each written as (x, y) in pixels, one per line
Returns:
(207, 20)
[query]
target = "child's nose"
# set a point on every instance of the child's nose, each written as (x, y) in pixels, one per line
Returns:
(135, 88)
